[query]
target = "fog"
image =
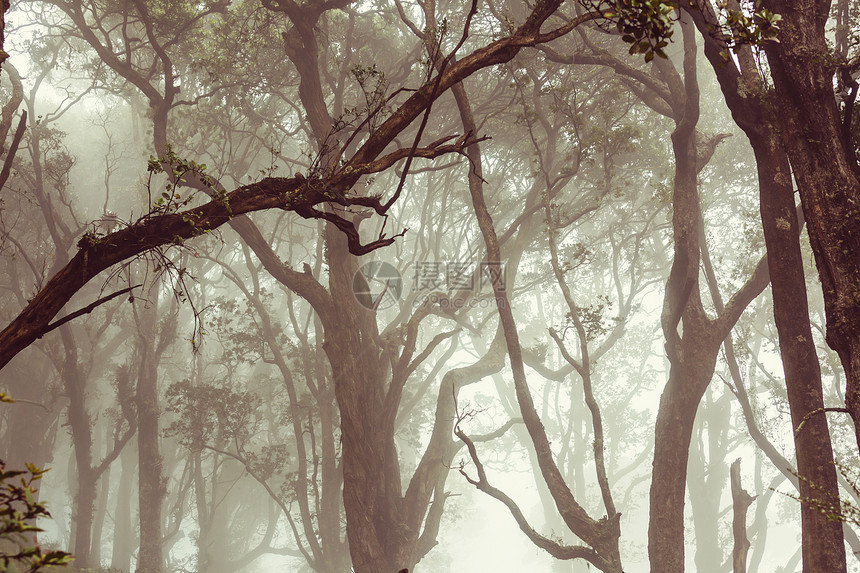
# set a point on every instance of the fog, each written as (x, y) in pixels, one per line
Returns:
(365, 286)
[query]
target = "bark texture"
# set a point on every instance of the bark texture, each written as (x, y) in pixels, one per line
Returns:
(754, 110)
(692, 353)
(823, 161)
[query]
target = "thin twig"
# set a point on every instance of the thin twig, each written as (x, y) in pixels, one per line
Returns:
(86, 310)
(818, 411)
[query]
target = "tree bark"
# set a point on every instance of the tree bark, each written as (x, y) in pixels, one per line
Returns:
(826, 170)
(74, 381)
(100, 513)
(822, 539)
(741, 501)
(693, 353)
(746, 96)
(123, 545)
(151, 487)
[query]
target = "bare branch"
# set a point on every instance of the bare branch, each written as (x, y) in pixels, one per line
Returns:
(86, 310)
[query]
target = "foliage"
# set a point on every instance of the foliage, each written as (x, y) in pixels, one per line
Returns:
(645, 24)
(209, 414)
(751, 25)
(181, 170)
(18, 511)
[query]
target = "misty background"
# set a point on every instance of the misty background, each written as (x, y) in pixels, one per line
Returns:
(265, 399)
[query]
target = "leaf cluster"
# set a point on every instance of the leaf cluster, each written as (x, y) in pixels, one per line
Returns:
(644, 24)
(209, 414)
(18, 511)
(180, 169)
(751, 26)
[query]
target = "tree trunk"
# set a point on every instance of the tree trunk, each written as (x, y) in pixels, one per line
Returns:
(706, 479)
(823, 163)
(79, 421)
(100, 512)
(692, 353)
(822, 544)
(151, 488)
(741, 501)
(822, 540)
(676, 414)
(122, 540)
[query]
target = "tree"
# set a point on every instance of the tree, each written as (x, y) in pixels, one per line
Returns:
(816, 131)
(354, 382)
(368, 444)
(754, 110)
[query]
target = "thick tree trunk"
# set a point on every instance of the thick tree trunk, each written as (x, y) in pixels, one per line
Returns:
(822, 540)
(677, 411)
(826, 170)
(380, 533)
(379, 540)
(747, 98)
(693, 352)
(692, 355)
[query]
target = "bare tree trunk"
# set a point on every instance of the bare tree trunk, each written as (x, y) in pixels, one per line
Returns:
(122, 540)
(707, 478)
(741, 501)
(151, 488)
(74, 382)
(693, 353)
(99, 514)
(822, 540)
(746, 96)
(824, 164)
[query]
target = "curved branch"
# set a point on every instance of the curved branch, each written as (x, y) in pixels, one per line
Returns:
(554, 548)
(296, 194)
